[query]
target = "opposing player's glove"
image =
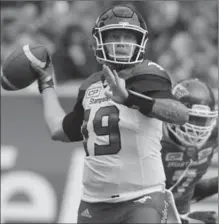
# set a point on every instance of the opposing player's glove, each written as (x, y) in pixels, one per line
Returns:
(202, 217)
(44, 75)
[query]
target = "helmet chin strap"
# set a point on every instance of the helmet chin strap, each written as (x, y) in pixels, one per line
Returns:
(118, 67)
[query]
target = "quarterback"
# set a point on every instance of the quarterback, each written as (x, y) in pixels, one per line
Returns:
(118, 114)
(187, 149)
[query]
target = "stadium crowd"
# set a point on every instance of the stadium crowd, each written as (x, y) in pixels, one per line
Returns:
(183, 35)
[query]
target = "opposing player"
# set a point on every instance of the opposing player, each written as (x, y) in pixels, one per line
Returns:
(187, 149)
(118, 114)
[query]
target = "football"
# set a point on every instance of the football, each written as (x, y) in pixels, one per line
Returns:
(17, 72)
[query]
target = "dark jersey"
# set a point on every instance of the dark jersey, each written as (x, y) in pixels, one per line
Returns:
(184, 167)
(122, 145)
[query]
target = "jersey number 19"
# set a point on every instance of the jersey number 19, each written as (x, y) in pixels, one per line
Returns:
(112, 130)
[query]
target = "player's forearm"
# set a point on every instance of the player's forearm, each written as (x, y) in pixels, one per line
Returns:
(167, 110)
(52, 111)
(170, 111)
(205, 188)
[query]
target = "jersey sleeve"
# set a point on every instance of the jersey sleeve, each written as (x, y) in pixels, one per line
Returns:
(151, 85)
(72, 122)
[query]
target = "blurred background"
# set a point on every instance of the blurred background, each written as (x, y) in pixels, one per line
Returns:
(183, 34)
(39, 178)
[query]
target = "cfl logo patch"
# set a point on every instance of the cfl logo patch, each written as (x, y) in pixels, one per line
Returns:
(174, 156)
(94, 92)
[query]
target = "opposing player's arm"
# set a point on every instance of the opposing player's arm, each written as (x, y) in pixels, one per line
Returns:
(205, 188)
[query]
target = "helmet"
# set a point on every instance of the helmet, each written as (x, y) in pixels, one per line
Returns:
(120, 17)
(198, 97)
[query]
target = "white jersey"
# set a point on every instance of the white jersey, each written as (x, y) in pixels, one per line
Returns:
(123, 150)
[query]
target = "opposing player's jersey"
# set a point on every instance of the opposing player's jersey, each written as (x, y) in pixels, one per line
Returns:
(184, 167)
(122, 145)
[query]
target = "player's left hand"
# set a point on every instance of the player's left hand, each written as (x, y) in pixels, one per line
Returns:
(117, 91)
(202, 217)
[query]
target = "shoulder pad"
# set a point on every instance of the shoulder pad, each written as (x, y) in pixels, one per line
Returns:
(146, 67)
(150, 67)
(95, 77)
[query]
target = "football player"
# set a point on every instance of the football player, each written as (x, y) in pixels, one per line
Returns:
(121, 128)
(187, 150)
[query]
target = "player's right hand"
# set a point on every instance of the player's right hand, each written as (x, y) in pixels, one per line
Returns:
(200, 217)
(44, 76)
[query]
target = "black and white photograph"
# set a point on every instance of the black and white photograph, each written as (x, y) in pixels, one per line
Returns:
(109, 112)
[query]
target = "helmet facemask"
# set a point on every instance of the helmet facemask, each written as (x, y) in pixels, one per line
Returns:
(137, 50)
(199, 127)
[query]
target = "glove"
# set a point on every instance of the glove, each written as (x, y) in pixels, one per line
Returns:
(44, 75)
(203, 217)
